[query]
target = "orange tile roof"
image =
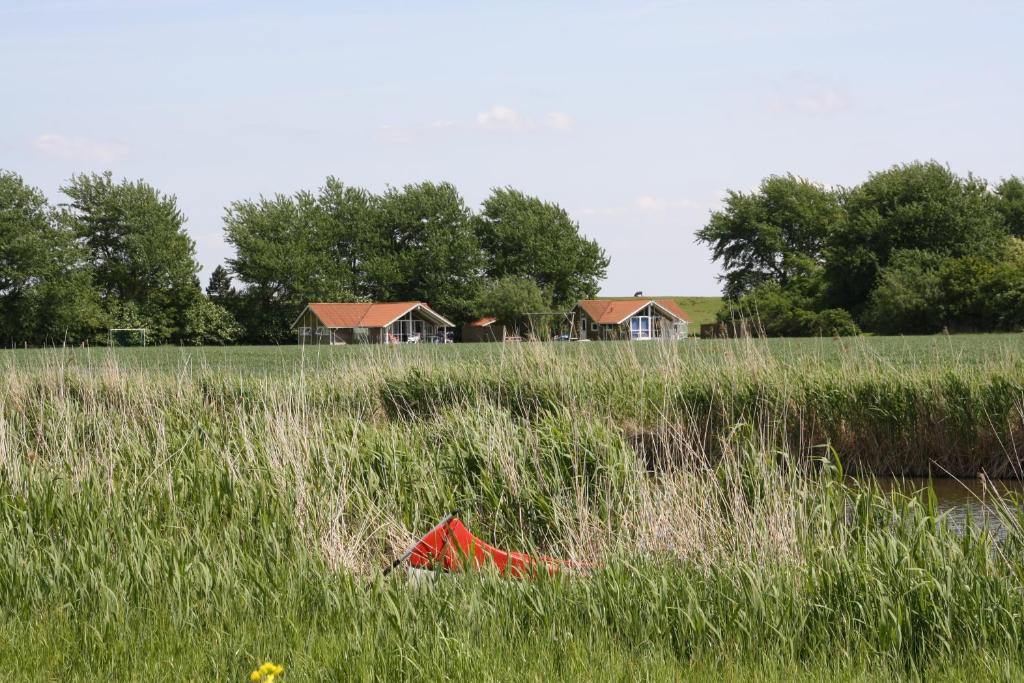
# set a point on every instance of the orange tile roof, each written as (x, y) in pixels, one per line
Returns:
(365, 314)
(671, 305)
(484, 322)
(614, 311)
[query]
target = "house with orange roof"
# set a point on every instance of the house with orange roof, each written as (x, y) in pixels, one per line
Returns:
(490, 329)
(634, 318)
(372, 323)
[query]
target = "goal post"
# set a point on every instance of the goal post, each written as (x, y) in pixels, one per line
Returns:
(136, 332)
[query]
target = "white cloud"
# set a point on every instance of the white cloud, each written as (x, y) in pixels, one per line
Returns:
(813, 100)
(499, 116)
(651, 203)
(394, 134)
(644, 204)
(558, 121)
(79, 148)
(601, 211)
(827, 101)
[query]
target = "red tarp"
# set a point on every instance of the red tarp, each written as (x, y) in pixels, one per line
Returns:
(451, 546)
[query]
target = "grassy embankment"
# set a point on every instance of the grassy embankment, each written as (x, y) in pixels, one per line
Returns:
(702, 309)
(174, 514)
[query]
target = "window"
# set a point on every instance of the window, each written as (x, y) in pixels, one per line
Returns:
(640, 327)
(593, 327)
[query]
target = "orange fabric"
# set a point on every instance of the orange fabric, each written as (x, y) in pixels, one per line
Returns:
(451, 545)
(614, 311)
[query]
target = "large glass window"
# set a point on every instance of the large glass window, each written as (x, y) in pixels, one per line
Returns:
(640, 327)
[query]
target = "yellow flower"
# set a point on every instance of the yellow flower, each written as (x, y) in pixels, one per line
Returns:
(267, 672)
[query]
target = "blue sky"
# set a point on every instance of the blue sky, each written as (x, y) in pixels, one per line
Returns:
(635, 117)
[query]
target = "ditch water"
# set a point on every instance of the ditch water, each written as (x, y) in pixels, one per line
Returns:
(964, 499)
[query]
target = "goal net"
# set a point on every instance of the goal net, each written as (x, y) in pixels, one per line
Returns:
(127, 336)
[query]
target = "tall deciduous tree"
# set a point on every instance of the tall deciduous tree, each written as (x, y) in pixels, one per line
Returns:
(283, 260)
(523, 236)
(776, 234)
(45, 292)
(418, 242)
(922, 206)
(1010, 204)
(433, 254)
(353, 238)
(511, 300)
(140, 255)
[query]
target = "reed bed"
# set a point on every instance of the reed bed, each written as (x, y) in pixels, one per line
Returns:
(187, 519)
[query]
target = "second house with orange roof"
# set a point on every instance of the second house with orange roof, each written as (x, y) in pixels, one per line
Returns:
(372, 323)
(633, 318)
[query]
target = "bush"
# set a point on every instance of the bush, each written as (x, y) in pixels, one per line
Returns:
(778, 312)
(909, 295)
(206, 323)
(836, 322)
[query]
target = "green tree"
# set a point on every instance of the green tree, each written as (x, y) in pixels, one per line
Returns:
(920, 206)
(219, 289)
(909, 298)
(1010, 204)
(774, 311)
(1003, 290)
(775, 234)
(432, 252)
(138, 250)
(283, 260)
(510, 299)
(206, 323)
(46, 295)
(522, 236)
(354, 238)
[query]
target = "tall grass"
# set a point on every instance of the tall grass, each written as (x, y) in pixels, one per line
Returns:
(190, 521)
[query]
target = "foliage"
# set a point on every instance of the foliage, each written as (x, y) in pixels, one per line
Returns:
(45, 292)
(774, 311)
(1003, 291)
(1010, 205)
(207, 323)
(419, 242)
(283, 258)
(923, 292)
(775, 234)
(913, 249)
(219, 289)
(922, 206)
(908, 297)
(432, 252)
(523, 236)
(139, 252)
(510, 299)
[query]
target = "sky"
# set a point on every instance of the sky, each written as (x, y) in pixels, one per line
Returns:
(636, 117)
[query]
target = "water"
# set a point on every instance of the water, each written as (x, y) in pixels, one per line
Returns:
(963, 499)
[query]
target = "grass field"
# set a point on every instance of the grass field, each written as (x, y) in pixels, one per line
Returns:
(702, 309)
(173, 514)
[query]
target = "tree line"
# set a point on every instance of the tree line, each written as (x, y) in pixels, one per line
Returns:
(913, 249)
(115, 254)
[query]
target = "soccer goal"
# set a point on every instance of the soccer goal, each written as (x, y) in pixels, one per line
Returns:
(127, 336)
